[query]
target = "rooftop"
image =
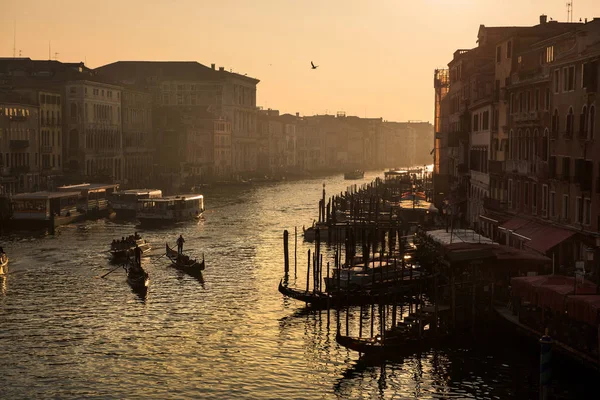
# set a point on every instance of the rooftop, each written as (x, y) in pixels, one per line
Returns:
(43, 195)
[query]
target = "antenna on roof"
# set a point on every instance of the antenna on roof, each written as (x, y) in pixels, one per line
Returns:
(15, 40)
(570, 11)
(56, 56)
(49, 52)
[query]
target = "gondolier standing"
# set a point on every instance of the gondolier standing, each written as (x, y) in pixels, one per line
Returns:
(180, 242)
(137, 256)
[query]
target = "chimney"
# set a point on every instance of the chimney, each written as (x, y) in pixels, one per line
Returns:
(221, 69)
(212, 66)
(297, 115)
(543, 19)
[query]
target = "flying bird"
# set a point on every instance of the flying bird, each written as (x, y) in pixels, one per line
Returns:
(313, 65)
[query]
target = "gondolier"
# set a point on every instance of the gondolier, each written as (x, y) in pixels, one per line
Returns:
(180, 242)
(137, 255)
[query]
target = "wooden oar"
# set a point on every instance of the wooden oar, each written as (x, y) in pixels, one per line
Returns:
(112, 270)
(154, 261)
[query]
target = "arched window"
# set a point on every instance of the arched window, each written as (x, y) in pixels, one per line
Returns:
(592, 123)
(569, 123)
(545, 145)
(511, 139)
(555, 123)
(520, 147)
(535, 144)
(527, 145)
(583, 122)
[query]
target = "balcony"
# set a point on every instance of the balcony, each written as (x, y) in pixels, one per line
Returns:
(46, 149)
(496, 167)
(18, 144)
(463, 169)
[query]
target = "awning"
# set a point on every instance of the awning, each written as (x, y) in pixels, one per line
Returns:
(514, 223)
(542, 237)
(546, 238)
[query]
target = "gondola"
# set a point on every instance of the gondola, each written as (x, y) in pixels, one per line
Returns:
(345, 297)
(184, 263)
(138, 279)
(3, 264)
(121, 250)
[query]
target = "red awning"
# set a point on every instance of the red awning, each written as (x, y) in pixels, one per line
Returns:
(584, 308)
(542, 237)
(546, 238)
(514, 223)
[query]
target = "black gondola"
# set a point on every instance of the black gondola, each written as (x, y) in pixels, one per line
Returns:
(346, 297)
(137, 278)
(184, 263)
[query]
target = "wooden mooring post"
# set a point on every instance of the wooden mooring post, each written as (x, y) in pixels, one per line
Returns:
(295, 251)
(286, 256)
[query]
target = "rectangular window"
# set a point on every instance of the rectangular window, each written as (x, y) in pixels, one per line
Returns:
(565, 206)
(526, 195)
(536, 99)
(509, 50)
(553, 204)
(549, 54)
(510, 182)
(566, 168)
(528, 100)
(534, 198)
(565, 79)
(579, 210)
(571, 77)
(512, 103)
(486, 121)
(521, 102)
(498, 54)
(587, 212)
(556, 80)
(547, 100)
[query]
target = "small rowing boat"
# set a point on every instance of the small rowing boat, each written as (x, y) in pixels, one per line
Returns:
(120, 249)
(184, 263)
(137, 278)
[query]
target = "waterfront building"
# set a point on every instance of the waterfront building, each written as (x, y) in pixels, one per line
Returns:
(520, 111)
(186, 85)
(93, 124)
(138, 140)
(19, 143)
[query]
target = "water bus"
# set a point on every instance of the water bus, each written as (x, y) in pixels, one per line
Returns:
(45, 209)
(125, 202)
(170, 209)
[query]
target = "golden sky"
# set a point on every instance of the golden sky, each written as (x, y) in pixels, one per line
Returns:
(375, 57)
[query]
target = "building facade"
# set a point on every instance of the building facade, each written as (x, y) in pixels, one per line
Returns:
(93, 124)
(138, 140)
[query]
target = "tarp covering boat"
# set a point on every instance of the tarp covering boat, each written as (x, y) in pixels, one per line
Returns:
(584, 308)
(549, 291)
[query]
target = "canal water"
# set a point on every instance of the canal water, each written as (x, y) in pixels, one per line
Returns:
(66, 333)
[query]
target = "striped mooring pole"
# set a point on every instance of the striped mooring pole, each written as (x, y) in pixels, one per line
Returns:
(545, 364)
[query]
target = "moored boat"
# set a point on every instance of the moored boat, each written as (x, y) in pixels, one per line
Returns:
(170, 209)
(356, 174)
(184, 263)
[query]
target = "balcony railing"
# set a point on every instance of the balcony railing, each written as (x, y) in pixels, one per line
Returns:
(23, 169)
(46, 149)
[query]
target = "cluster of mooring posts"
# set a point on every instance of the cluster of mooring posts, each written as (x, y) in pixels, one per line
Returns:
(415, 280)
